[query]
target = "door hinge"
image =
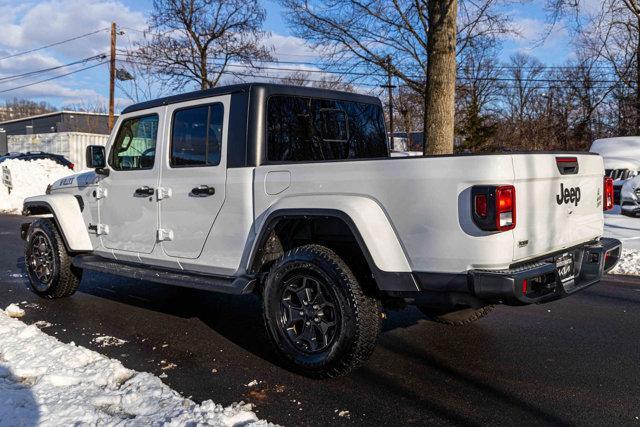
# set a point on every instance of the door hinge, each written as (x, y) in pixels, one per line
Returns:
(164, 193)
(164, 234)
(99, 229)
(100, 193)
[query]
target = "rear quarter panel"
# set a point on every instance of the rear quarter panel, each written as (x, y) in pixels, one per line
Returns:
(426, 200)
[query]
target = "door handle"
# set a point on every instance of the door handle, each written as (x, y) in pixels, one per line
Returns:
(203, 191)
(144, 191)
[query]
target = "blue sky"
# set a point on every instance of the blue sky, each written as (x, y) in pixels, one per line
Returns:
(34, 23)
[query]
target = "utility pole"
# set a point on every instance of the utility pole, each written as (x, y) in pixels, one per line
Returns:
(112, 75)
(390, 87)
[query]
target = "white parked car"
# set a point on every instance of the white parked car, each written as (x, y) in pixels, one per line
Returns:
(291, 193)
(621, 157)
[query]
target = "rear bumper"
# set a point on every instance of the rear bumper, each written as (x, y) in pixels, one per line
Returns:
(539, 282)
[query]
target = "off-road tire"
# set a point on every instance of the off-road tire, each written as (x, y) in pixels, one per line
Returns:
(462, 317)
(64, 277)
(359, 321)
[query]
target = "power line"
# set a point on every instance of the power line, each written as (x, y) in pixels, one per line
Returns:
(237, 73)
(45, 70)
(540, 67)
(370, 74)
(52, 44)
(53, 78)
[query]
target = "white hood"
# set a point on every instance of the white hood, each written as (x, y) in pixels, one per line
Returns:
(620, 147)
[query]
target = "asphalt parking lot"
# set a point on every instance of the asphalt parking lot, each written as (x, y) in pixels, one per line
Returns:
(574, 361)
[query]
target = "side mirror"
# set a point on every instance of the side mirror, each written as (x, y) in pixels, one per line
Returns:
(96, 159)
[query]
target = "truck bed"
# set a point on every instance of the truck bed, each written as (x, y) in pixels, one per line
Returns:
(428, 202)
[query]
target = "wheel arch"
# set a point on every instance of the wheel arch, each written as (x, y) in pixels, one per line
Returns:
(65, 211)
(391, 276)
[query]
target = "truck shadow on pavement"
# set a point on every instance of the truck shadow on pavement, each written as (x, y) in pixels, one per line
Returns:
(434, 384)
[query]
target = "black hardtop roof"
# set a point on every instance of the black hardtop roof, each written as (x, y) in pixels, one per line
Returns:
(270, 88)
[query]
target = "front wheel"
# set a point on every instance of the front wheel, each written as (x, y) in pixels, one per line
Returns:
(49, 267)
(317, 314)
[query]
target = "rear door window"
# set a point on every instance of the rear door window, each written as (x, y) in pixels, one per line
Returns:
(196, 136)
(303, 129)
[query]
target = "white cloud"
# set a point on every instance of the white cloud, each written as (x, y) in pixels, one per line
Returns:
(536, 37)
(291, 48)
(53, 90)
(31, 24)
(27, 63)
(54, 20)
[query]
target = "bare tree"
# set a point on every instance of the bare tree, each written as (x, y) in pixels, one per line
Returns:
(17, 108)
(143, 85)
(304, 78)
(477, 93)
(194, 41)
(373, 38)
(611, 30)
(409, 106)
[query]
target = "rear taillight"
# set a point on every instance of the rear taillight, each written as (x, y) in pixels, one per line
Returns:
(608, 194)
(494, 207)
(72, 166)
(506, 207)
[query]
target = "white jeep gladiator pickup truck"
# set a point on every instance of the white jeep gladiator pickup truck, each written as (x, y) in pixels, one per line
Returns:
(291, 193)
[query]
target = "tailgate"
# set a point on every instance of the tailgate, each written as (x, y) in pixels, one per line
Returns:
(555, 210)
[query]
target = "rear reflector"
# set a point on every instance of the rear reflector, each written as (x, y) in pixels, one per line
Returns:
(608, 194)
(481, 205)
(494, 207)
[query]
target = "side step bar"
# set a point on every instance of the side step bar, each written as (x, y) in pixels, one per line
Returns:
(224, 284)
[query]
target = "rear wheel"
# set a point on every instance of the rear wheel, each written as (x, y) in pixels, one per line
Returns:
(461, 317)
(317, 314)
(47, 262)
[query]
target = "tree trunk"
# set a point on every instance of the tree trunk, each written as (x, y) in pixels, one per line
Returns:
(441, 77)
(204, 78)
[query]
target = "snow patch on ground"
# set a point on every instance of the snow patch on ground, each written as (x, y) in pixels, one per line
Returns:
(14, 311)
(46, 382)
(107, 341)
(29, 178)
(624, 228)
(42, 324)
(629, 263)
(627, 230)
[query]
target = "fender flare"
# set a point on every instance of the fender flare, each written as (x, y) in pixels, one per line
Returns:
(67, 215)
(367, 222)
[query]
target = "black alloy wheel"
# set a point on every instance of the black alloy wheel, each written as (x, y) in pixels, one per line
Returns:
(41, 261)
(318, 316)
(309, 316)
